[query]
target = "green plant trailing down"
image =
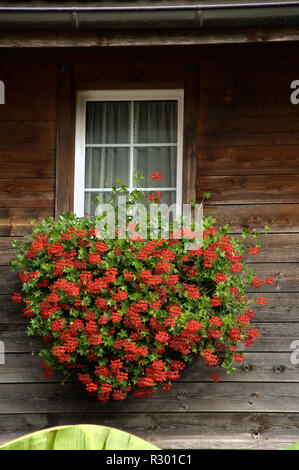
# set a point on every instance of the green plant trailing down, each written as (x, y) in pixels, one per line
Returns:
(128, 314)
(79, 437)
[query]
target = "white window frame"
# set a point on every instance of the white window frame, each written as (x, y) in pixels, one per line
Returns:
(122, 95)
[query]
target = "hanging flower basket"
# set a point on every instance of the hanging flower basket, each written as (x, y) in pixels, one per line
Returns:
(127, 314)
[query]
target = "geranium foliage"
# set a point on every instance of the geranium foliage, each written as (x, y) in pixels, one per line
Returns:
(128, 314)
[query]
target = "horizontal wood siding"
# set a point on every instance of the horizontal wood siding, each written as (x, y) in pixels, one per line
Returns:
(248, 158)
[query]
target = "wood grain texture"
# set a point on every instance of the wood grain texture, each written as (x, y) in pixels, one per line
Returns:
(32, 164)
(8, 281)
(15, 222)
(187, 397)
(286, 277)
(254, 189)
(274, 337)
(257, 367)
(133, 70)
(149, 38)
(10, 312)
(200, 430)
(250, 160)
(27, 193)
(65, 141)
(280, 307)
(191, 116)
(246, 102)
(249, 131)
(280, 217)
(29, 106)
(278, 248)
(22, 74)
(30, 135)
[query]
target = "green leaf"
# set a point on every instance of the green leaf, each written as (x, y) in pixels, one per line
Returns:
(267, 228)
(294, 446)
(79, 437)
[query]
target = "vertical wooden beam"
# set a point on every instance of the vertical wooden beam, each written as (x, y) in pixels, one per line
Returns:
(191, 130)
(65, 141)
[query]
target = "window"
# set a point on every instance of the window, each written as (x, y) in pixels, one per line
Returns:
(120, 132)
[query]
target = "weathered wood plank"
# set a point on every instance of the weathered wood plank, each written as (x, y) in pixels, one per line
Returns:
(274, 337)
(250, 69)
(28, 135)
(249, 189)
(113, 38)
(191, 116)
(250, 160)
(11, 312)
(27, 192)
(257, 367)
(280, 217)
(8, 281)
(115, 85)
(283, 247)
(249, 131)
(173, 430)
(246, 102)
(16, 341)
(65, 138)
(28, 106)
(280, 307)
(15, 222)
(7, 253)
(27, 164)
(25, 75)
(286, 277)
(276, 248)
(136, 70)
(183, 398)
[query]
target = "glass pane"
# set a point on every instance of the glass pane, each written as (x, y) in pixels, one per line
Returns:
(155, 121)
(90, 196)
(162, 160)
(167, 197)
(104, 197)
(104, 165)
(107, 122)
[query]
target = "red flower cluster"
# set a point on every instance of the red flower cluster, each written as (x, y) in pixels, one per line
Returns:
(156, 176)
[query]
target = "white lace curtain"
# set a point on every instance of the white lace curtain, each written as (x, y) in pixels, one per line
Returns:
(124, 136)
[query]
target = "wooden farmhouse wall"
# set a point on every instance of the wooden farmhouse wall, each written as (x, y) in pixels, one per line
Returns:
(248, 158)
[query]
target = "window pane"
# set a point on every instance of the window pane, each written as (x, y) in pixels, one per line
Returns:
(156, 159)
(155, 121)
(107, 122)
(90, 196)
(104, 165)
(167, 197)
